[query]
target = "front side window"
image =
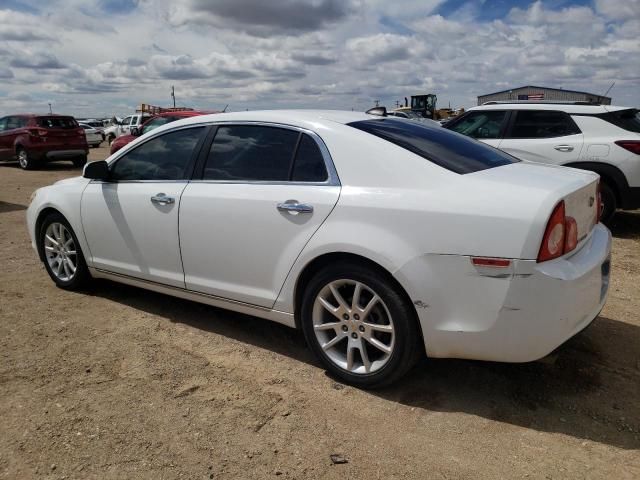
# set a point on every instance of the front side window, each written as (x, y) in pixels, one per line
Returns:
(483, 124)
(165, 157)
(125, 121)
(251, 153)
(445, 148)
(542, 124)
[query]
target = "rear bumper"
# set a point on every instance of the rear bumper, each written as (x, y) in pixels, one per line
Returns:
(517, 314)
(65, 154)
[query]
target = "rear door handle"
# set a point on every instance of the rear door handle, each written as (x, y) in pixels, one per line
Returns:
(564, 148)
(295, 207)
(162, 199)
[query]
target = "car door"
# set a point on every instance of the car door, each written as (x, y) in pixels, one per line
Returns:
(487, 126)
(545, 136)
(131, 221)
(123, 128)
(264, 191)
(5, 152)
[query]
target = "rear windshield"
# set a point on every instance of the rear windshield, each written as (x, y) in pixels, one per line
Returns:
(445, 148)
(57, 122)
(627, 119)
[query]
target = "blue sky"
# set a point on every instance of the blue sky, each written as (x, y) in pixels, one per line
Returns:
(104, 57)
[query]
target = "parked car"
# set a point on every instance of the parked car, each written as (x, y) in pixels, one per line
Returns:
(601, 138)
(150, 124)
(94, 137)
(382, 239)
(96, 124)
(34, 139)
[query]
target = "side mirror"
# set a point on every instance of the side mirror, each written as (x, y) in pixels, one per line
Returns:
(135, 131)
(96, 170)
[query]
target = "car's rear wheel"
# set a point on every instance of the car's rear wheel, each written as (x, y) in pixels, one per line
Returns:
(25, 160)
(360, 325)
(80, 162)
(63, 258)
(609, 203)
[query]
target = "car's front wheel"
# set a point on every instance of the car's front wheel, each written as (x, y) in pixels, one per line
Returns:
(63, 258)
(360, 325)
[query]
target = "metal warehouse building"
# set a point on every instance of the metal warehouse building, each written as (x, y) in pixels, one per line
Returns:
(531, 92)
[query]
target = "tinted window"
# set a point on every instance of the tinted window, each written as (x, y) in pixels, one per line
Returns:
(15, 122)
(3, 123)
(309, 165)
(448, 149)
(483, 124)
(57, 122)
(626, 119)
(163, 158)
(244, 152)
(542, 124)
(126, 121)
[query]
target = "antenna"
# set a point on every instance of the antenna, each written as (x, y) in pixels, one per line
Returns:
(225, 108)
(609, 89)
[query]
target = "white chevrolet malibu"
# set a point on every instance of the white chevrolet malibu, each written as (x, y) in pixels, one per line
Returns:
(381, 238)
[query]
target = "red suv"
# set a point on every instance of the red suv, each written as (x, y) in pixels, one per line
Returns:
(153, 122)
(33, 139)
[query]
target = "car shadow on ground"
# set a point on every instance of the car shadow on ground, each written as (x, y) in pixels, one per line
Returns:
(626, 224)
(10, 207)
(589, 392)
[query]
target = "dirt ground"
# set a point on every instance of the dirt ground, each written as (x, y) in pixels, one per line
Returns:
(118, 382)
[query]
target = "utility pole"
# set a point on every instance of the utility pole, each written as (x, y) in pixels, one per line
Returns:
(50, 111)
(173, 95)
(377, 102)
(397, 103)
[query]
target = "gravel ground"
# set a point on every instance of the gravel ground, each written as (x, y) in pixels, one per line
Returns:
(118, 382)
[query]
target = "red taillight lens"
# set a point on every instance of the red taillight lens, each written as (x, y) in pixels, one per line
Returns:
(631, 145)
(553, 239)
(571, 234)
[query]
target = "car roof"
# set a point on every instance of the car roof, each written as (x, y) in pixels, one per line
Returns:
(311, 119)
(563, 107)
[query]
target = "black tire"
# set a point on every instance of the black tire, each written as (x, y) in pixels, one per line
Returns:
(80, 161)
(111, 138)
(609, 203)
(25, 160)
(81, 278)
(407, 344)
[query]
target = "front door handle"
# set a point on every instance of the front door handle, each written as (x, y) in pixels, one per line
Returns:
(294, 207)
(162, 199)
(564, 148)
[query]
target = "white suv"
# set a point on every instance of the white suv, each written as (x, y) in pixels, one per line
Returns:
(601, 138)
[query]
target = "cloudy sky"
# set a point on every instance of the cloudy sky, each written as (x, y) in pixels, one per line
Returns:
(104, 57)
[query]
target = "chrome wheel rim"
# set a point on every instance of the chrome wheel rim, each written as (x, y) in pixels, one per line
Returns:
(22, 158)
(60, 251)
(353, 326)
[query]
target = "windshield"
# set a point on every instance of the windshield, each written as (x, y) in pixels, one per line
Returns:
(156, 122)
(443, 147)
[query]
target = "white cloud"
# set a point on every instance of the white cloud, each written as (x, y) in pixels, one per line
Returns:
(307, 53)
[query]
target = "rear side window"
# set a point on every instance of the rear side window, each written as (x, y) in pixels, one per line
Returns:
(627, 119)
(445, 148)
(251, 153)
(542, 124)
(57, 122)
(482, 124)
(309, 165)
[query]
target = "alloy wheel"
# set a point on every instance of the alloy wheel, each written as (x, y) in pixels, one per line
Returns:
(23, 159)
(353, 326)
(60, 251)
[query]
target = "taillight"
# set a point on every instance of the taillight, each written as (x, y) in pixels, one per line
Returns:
(632, 145)
(553, 239)
(571, 234)
(38, 132)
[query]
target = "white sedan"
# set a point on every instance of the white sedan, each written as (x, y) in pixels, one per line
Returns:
(381, 238)
(94, 136)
